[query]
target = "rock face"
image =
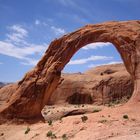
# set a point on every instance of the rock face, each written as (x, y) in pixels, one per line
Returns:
(99, 85)
(28, 96)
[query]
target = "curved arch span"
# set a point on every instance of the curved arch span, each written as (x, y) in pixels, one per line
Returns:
(29, 95)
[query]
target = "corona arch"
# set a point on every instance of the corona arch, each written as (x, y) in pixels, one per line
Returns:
(27, 98)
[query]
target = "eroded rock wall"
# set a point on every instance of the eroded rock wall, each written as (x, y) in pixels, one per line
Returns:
(100, 85)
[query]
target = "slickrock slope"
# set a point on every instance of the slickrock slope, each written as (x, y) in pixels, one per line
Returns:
(108, 124)
(100, 85)
(31, 93)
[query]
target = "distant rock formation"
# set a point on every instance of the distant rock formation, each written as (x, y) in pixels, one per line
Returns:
(2, 84)
(100, 85)
(27, 98)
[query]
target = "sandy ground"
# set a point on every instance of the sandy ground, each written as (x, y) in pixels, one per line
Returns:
(108, 124)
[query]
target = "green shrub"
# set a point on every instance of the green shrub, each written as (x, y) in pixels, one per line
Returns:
(84, 118)
(64, 137)
(49, 122)
(96, 110)
(125, 117)
(1, 134)
(51, 135)
(103, 121)
(27, 130)
(61, 119)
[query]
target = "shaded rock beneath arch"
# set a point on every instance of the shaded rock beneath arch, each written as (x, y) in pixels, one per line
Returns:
(91, 87)
(78, 98)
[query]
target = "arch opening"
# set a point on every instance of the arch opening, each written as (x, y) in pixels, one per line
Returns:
(94, 75)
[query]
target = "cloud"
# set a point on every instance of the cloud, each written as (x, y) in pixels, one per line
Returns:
(30, 61)
(91, 58)
(46, 23)
(37, 22)
(115, 62)
(17, 33)
(19, 29)
(1, 63)
(96, 45)
(15, 45)
(112, 62)
(54, 29)
(67, 2)
(10, 49)
(58, 31)
(22, 53)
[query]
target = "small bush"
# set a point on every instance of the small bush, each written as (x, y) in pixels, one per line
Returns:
(102, 121)
(51, 135)
(49, 122)
(78, 105)
(27, 130)
(75, 106)
(96, 110)
(84, 118)
(1, 134)
(83, 105)
(64, 137)
(61, 119)
(125, 117)
(110, 104)
(45, 113)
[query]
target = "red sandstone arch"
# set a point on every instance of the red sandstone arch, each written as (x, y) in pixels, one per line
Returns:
(29, 96)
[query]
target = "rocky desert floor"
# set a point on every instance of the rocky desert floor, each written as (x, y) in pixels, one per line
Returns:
(121, 122)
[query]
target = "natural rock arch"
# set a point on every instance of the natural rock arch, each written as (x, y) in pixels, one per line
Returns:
(29, 95)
